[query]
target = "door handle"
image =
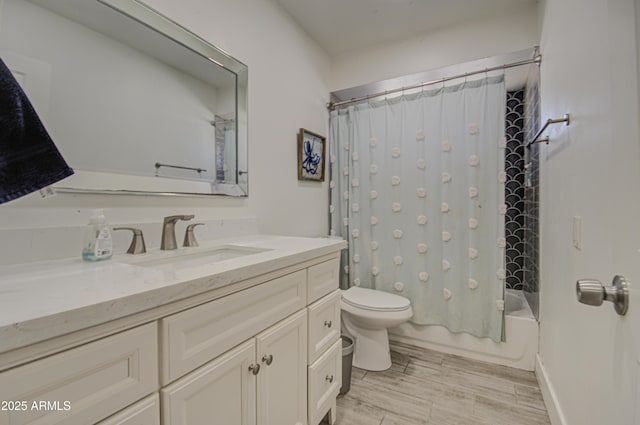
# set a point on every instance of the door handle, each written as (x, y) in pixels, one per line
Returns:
(593, 292)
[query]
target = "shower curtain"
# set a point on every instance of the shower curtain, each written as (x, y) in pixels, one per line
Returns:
(417, 188)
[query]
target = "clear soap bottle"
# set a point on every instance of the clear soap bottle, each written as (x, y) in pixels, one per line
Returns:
(98, 244)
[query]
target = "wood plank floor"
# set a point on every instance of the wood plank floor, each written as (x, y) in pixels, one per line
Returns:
(428, 387)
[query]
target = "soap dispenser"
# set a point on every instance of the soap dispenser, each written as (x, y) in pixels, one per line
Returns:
(98, 244)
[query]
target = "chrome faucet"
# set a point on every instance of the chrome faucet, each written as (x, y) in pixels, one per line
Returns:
(169, 231)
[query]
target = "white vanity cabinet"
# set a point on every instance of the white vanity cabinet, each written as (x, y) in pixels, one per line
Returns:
(267, 353)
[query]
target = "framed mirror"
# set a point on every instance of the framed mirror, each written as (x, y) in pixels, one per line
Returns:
(135, 103)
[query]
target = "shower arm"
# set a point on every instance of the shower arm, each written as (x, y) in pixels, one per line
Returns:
(536, 139)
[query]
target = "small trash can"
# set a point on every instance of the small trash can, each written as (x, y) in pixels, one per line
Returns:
(347, 360)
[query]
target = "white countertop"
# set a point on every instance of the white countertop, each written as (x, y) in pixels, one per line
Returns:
(43, 300)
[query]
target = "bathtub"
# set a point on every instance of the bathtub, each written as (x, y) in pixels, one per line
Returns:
(519, 350)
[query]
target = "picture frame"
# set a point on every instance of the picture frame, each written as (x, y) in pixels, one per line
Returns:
(311, 155)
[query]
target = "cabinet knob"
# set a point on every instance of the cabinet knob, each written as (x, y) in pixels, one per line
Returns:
(329, 378)
(254, 368)
(328, 323)
(268, 359)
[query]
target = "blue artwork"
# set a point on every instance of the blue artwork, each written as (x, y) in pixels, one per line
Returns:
(312, 157)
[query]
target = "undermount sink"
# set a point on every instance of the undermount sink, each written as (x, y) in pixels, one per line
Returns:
(193, 257)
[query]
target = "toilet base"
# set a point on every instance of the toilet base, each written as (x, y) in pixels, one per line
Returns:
(371, 350)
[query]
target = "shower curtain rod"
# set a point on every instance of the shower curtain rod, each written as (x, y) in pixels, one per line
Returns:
(334, 105)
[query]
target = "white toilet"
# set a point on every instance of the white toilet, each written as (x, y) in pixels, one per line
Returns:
(366, 316)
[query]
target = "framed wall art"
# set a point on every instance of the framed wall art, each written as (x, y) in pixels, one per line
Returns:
(311, 155)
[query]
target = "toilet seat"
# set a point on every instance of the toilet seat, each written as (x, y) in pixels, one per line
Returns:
(369, 299)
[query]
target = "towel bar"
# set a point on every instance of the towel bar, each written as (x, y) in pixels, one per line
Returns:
(536, 139)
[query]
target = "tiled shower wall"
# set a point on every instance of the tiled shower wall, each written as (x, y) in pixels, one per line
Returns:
(521, 191)
(531, 191)
(514, 190)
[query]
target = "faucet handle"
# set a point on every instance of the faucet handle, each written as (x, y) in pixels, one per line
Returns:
(137, 243)
(189, 237)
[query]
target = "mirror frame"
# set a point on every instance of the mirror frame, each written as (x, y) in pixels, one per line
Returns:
(154, 20)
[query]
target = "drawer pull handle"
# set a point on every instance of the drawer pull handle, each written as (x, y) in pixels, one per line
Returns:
(254, 368)
(329, 378)
(267, 359)
(328, 323)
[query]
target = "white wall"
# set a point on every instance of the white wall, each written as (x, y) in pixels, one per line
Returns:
(499, 35)
(288, 89)
(590, 169)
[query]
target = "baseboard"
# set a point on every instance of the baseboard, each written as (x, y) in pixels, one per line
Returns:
(549, 395)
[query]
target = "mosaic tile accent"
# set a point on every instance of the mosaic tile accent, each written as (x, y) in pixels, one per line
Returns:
(514, 190)
(531, 195)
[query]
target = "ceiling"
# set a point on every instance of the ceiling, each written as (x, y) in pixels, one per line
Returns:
(340, 26)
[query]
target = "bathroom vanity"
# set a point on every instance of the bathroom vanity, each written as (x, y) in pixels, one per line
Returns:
(232, 332)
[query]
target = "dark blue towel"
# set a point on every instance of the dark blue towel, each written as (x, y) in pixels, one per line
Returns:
(29, 160)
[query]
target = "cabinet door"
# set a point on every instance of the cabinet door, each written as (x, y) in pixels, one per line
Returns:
(282, 381)
(222, 392)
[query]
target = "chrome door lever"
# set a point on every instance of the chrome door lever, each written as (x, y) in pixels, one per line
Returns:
(593, 292)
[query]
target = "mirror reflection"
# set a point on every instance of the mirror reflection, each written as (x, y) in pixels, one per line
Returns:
(133, 101)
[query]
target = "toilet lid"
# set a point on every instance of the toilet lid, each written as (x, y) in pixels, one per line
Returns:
(370, 299)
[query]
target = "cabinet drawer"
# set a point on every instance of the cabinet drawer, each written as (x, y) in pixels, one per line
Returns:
(144, 412)
(95, 380)
(324, 324)
(325, 377)
(323, 279)
(193, 337)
